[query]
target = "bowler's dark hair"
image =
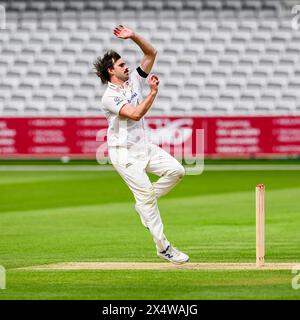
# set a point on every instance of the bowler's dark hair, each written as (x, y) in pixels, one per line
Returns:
(102, 64)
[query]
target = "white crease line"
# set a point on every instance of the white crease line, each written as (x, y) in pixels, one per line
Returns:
(155, 266)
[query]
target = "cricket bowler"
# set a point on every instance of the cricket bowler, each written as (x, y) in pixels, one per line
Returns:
(130, 149)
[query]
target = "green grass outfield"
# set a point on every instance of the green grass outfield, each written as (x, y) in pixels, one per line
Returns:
(52, 217)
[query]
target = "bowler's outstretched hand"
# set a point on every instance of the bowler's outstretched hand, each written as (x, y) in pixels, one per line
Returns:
(123, 32)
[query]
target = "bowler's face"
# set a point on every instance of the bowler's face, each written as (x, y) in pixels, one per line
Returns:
(120, 70)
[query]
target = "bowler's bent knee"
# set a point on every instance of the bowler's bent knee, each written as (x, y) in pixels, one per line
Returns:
(178, 172)
(181, 171)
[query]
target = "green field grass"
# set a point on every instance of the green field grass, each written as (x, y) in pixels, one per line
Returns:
(49, 217)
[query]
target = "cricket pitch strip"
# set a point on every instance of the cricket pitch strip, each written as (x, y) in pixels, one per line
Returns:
(156, 266)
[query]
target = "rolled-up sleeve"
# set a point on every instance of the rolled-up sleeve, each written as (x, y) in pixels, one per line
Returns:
(114, 103)
(139, 77)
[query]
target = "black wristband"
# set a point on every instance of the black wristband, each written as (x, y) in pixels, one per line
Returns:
(141, 72)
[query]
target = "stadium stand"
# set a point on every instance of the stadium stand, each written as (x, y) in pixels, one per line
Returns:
(215, 56)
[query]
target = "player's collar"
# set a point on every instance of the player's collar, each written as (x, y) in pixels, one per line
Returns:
(117, 87)
(113, 86)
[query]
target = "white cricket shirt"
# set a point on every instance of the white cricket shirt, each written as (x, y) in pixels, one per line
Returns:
(124, 132)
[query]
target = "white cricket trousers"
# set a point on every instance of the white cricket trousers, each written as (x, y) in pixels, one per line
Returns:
(133, 168)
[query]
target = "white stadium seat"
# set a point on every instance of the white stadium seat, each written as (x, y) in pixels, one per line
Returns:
(230, 56)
